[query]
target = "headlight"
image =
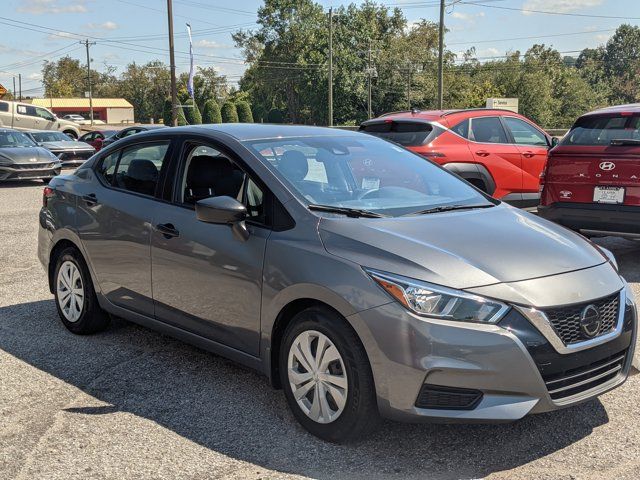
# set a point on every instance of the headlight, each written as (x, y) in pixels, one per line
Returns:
(433, 301)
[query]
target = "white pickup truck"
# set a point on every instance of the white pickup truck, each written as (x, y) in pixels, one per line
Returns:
(24, 116)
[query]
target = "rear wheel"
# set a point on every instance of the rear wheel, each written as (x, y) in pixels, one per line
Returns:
(327, 378)
(75, 296)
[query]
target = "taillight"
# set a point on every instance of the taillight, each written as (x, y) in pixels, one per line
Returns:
(47, 193)
(543, 176)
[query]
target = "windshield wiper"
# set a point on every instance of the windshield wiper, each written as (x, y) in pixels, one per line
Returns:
(349, 212)
(624, 141)
(449, 208)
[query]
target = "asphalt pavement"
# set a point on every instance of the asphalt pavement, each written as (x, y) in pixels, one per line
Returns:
(132, 403)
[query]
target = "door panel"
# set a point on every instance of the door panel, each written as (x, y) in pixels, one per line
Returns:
(114, 224)
(207, 281)
(490, 147)
(533, 146)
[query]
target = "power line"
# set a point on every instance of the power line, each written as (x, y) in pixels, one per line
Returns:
(546, 12)
(472, 42)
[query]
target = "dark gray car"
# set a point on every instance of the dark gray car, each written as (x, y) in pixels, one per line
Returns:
(361, 278)
(70, 152)
(22, 159)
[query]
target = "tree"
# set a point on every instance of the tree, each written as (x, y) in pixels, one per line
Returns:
(244, 112)
(211, 112)
(166, 112)
(229, 113)
(182, 121)
(207, 85)
(192, 112)
(622, 64)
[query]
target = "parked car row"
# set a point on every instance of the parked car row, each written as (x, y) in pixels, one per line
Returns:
(588, 181)
(24, 116)
(362, 279)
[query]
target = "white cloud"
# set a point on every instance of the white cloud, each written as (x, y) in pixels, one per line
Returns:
(35, 76)
(209, 44)
(40, 7)
(603, 37)
(59, 35)
(488, 52)
(560, 6)
(468, 18)
(103, 26)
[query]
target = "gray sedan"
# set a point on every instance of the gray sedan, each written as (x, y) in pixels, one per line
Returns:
(70, 152)
(22, 159)
(362, 279)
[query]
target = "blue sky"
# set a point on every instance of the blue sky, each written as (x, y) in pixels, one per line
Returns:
(495, 27)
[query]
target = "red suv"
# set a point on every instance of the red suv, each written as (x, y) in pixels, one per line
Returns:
(592, 181)
(498, 151)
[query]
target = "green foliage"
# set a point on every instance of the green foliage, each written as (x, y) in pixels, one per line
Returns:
(275, 115)
(191, 112)
(211, 112)
(229, 113)
(166, 112)
(244, 112)
(182, 121)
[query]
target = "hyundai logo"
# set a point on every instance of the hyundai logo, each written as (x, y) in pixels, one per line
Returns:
(607, 166)
(590, 321)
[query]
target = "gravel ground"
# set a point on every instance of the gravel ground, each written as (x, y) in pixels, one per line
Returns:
(131, 403)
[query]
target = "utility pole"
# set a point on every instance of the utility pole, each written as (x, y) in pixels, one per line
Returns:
(331, 66)
(369, 72)
(13, 92)
(409, 86)
(87, 44)
(172, 62)
(20, 86)
(440, 54)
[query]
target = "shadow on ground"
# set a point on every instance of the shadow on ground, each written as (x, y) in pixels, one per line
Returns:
(233, 411)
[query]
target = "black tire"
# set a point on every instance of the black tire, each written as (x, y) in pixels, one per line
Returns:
(71, 133)
(92, 318)
(360, 415)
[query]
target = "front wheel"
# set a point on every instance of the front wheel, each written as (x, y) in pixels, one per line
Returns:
(75, 296)
(327, 378)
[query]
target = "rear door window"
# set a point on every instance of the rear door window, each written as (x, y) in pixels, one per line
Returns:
(604, 130)
(487, 130)
(408, 134)
(4, 107)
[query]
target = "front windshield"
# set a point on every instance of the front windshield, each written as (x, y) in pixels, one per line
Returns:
(362, 172)
(15, 139)
(50, 137)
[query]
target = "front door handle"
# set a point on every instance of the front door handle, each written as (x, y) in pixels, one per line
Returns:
(90, 199)
(167, 230)
(528, 154)
(482, 153)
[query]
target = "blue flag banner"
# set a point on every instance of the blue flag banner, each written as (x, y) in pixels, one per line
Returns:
(191, 72)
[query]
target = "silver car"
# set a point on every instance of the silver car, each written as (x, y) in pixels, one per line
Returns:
(362, 279)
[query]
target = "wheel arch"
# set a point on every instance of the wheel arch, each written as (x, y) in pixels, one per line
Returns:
(471, 172)
(280, 324)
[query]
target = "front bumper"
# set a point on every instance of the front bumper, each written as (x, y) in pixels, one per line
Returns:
(595, 219)
(29, 172)
(73, 159)
(512, 366)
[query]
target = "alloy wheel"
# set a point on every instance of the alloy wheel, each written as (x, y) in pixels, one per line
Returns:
(70, 291)
(317, 376)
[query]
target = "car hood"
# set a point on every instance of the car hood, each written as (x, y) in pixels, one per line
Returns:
(25, 155)
(66, 145)
(463, 249)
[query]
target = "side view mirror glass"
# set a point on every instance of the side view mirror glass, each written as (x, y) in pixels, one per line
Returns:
(555, 141)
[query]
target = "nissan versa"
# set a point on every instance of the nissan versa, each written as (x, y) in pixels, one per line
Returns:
(359, 277)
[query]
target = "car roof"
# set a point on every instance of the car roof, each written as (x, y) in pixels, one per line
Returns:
(438, 114)
(42, 131)
(256, 131)
(629, 107)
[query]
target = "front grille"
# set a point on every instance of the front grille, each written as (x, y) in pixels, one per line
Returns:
(578, 380)
(566, 320)
(31, 166)
(80, 155)
(449, 398)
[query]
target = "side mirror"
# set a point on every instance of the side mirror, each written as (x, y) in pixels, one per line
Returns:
(555, 141)
(226, 211)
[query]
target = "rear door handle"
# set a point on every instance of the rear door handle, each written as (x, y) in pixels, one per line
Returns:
(90, 199)
(528, 154)
(482, 153)
(167, 230)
